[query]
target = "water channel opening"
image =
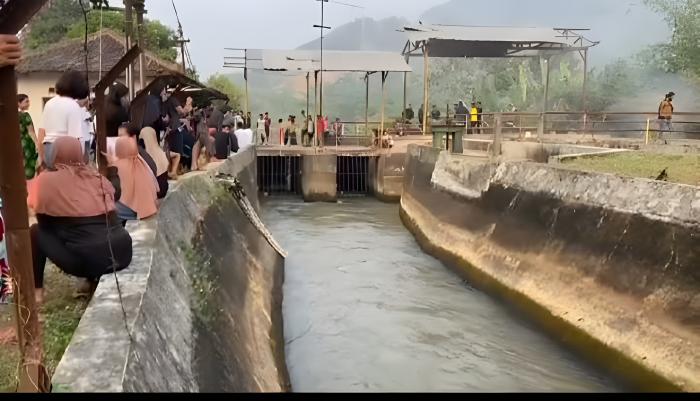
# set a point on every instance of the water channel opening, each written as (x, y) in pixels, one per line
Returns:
(279, 175)
(385, 316)
(353, 176)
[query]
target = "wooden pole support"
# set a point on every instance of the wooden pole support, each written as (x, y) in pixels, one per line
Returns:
(13, 189)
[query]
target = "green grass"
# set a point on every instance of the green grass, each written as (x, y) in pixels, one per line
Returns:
(681, 169)
(61, 314)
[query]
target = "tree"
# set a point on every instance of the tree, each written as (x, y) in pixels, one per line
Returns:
(226, 86)
(64, 19)
(52, 24)
(682, 54)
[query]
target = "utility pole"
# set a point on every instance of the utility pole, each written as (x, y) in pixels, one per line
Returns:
(322, 27)
(129, 33)
(181, 40)
(140, 7)
(13, 188)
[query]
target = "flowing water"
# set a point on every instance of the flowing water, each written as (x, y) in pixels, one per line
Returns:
(366, 310)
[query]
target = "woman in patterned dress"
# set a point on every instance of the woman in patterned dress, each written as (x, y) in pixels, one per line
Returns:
(28, 137)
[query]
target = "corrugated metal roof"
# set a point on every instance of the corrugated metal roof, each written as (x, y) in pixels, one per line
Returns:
(484, 41)
(333, 60)
(419, 33)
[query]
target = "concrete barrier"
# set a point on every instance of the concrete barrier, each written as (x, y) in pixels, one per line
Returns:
(607, 264)
(318, 178)
(203, 301)
(386, 176)
(538, 151)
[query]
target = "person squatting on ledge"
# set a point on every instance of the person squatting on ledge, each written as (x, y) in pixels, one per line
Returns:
(77, 225)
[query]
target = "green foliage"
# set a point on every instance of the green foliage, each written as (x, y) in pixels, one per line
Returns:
(682, 54)
(224, 85)
(110, 20)
(160, 39)
(65, 20)
(52, 25)
(203, 282)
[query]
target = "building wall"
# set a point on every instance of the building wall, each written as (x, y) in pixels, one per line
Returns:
(36, 86)
(40, 85)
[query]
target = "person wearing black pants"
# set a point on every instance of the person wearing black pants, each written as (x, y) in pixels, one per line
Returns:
(77, 225)
(80, 246)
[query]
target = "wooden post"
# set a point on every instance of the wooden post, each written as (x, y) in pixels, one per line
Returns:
(245, 76)
(546, 85)
(497, 138)
(367, 104)
(543, 116)
(100, 89)
(405, 92)
(426, 88)
(307, 98)
(646, 133)
(384, 77)
(585, 91)
(314, 120)
(13, 189)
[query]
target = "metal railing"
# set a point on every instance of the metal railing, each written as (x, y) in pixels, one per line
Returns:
(614, 124)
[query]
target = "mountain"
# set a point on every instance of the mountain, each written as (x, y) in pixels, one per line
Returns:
(364, 34)
(622, 27)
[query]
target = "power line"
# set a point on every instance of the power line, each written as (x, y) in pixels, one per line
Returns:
(346, 4)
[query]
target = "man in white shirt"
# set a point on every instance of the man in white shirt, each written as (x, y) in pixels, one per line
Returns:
(62, 114)
(244, 137)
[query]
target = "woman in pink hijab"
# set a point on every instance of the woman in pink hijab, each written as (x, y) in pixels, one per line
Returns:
(139, 187)
(77, 227)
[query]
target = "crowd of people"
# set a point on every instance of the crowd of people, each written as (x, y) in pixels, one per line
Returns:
(464, 115)
(81, 214)
(308, 132)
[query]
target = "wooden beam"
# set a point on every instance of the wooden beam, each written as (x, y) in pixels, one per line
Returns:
(13, 189)
(109, 78)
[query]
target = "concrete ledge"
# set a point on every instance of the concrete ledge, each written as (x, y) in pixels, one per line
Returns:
(203, 298)
(596, 153)
(318, 178)
(606, 264)
(386, 176)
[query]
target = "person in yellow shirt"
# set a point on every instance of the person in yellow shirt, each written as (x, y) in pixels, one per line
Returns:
(474, 115)
(666, 113)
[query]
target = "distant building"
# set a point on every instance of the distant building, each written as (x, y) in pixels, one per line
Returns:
(39, 70)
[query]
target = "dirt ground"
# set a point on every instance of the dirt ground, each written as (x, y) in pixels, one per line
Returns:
(60, 315)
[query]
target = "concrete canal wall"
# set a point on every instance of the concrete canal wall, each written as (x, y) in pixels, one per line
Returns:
(608, 264)
(203, 298)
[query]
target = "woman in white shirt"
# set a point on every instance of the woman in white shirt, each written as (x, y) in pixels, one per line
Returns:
(62, 114)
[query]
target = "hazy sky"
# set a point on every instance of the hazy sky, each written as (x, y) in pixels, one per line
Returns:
(212, 25)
